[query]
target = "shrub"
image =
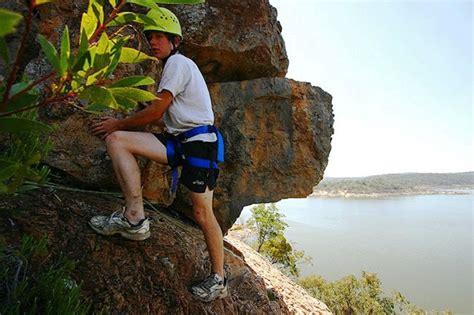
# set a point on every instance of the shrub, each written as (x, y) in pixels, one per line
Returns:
(30, 287)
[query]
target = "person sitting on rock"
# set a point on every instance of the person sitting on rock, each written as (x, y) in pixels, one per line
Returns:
(191, 140)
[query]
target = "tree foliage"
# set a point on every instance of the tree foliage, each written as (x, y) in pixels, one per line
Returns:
(267, 222)
(282, 253)
(351, 295)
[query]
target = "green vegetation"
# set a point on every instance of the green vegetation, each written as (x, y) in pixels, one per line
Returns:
(358, 296)
(347, 296)
(28, 286)
(20, 160)
(396, 184)
(268, 224)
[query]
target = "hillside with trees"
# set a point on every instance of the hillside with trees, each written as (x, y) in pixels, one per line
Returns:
(396, 184)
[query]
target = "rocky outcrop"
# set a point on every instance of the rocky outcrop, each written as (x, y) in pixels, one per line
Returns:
(234, 40)
(287, 292)
(149, 277)
(277, 133)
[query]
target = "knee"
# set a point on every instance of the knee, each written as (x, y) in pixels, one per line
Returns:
(201, 214)
(114, 139)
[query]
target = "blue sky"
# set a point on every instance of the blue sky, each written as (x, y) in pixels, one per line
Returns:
(400, 73)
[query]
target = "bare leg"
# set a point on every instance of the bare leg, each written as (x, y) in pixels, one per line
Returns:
(122, 147)
(202, 211)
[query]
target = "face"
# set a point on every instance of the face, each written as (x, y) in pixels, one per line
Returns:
(160, 45)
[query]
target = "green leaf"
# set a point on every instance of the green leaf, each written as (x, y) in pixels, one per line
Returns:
(91, 79)
(26, 188)
(104, 45)
(133, 94)
(126, 103)
(5, 162)
(21, 101)
(83, 63)
(97, 9)
(145, 3)
(17, 87)
(83, 44)
(94, 107)
(101, 61)
(65, 51)
(179, 1)
(99, 95)
(132, 81)
(115, 57)
(113, 3)
(40, 2)
(128, 17)
(17, 125)
(50, 52)
(9, 171)
(100, 53)
(34, 159)
(130, 55)
(4, 50)
(8, 21)
(88, 24)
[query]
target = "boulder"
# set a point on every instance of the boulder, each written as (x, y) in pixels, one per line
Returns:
(277, 138)
(233, 40)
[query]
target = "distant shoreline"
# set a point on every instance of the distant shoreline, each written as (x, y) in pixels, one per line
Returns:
(395, 185)
(351, 195)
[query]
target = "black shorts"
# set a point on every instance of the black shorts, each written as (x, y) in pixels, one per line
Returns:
(194, 178)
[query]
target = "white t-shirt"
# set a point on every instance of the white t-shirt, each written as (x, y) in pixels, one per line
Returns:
(191, 106)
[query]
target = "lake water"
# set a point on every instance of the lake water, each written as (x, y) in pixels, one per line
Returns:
(421, 246)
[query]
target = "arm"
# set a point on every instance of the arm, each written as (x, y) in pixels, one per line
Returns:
(149, 114)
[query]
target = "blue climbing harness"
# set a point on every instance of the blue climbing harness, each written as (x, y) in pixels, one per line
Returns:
(174, 148)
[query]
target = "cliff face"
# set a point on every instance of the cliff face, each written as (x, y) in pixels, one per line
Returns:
(277, 131)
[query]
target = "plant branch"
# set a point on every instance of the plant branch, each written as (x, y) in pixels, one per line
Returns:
(61, 187)
(102, 27)
(49, 100)
(19, 55)
(32, 84)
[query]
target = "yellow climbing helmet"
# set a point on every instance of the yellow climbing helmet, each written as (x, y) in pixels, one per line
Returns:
(165, 21)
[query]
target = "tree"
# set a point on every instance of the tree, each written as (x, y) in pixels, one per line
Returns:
(267, 222)
(281, 253)
(269, 226)
(358, 296)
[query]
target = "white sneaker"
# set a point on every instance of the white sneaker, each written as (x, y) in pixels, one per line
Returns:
(117, 223)
(211, 288)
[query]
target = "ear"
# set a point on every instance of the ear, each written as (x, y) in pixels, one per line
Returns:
(176, 41)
